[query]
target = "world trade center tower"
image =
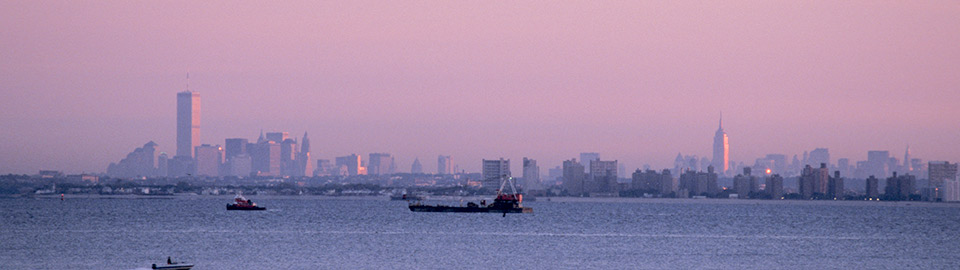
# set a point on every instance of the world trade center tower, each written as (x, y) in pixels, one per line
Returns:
(188, 122)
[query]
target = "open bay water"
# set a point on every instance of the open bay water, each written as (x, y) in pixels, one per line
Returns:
(311, 232)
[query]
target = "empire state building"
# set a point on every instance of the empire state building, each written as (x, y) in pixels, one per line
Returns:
(721, 150)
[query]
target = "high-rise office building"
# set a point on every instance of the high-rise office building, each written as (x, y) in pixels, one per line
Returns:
(209, 158)
(721, 150)
(234, 146)
(668, 184)
(180, 166)
(774, 186)
(573, 177)
(380, 164)
(776, 163)
(940, 171)
(641, 180)
(288, 158)
(835, 186)
(416, 168)
(278, 137)
(495, 171)
(918, 168)
(162, 164)
(907, 168)
(352, 164)
(445, 165)
(951, 190)
(877, 162)
(139, 163)
(188, 123)
(694, 183)
(555, 175)
(585, 159)
(603, 176)
(814, 181)
(531, 175)
(843, 164)
(324, 168)
(819, 156)
(304, 166)
(873, 187)
(265, 158)
(900, 187)
(652, 181)
(743, 184)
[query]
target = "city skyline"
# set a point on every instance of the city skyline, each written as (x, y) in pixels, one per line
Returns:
(486, 84)
(276, 154)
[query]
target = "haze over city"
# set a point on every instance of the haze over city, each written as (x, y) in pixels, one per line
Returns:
(85, 83)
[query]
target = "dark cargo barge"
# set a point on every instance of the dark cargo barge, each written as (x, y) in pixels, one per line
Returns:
(504, 203)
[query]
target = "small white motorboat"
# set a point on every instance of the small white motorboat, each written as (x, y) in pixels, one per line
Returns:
(172, 265)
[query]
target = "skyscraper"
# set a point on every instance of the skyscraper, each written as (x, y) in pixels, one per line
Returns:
(380, 164)
(900, 187)
(305, 167)
(140, 162)
(906, 161)
(416, 168)
(774, 186)
(585, 159)
(162, 164)
(743, 183)
(873, 187)
(835, 186)
(818, 156)
(814, 181)
(721, 149)
(234, 147)
(877, 162)
(694, 183)
(444, 165)
(494, 171)
(188, 122)
(265, 157)
(940, 172)
(324, 167)
(351, 164)
(573, 177)
(278, 137)
(531, 174)
(604, 175)
(288, 158)
(209, 158)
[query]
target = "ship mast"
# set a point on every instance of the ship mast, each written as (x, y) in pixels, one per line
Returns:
(503, 182)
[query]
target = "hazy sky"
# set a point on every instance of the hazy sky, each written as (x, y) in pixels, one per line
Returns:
(82, 83)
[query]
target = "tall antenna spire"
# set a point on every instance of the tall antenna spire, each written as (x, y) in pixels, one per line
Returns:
(721, 119)
(188, 81)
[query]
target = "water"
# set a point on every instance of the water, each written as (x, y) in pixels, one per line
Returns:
(374, 233)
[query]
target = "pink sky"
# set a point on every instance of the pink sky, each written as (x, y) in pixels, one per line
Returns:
(84, 83)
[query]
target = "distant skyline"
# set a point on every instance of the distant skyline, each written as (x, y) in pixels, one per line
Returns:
(83, 84)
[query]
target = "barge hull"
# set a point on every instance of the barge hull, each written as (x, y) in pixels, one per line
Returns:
(456, 209)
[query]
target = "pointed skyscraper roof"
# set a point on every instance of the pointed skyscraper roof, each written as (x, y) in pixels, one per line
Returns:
(305, 145)
(721, 120)
(261, 139)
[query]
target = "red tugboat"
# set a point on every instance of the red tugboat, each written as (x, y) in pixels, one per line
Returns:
(504, 203)
(242, 203)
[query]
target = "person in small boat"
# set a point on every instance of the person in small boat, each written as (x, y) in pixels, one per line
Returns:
(169, 261)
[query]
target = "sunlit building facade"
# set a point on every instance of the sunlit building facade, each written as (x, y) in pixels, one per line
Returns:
(188, 123)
